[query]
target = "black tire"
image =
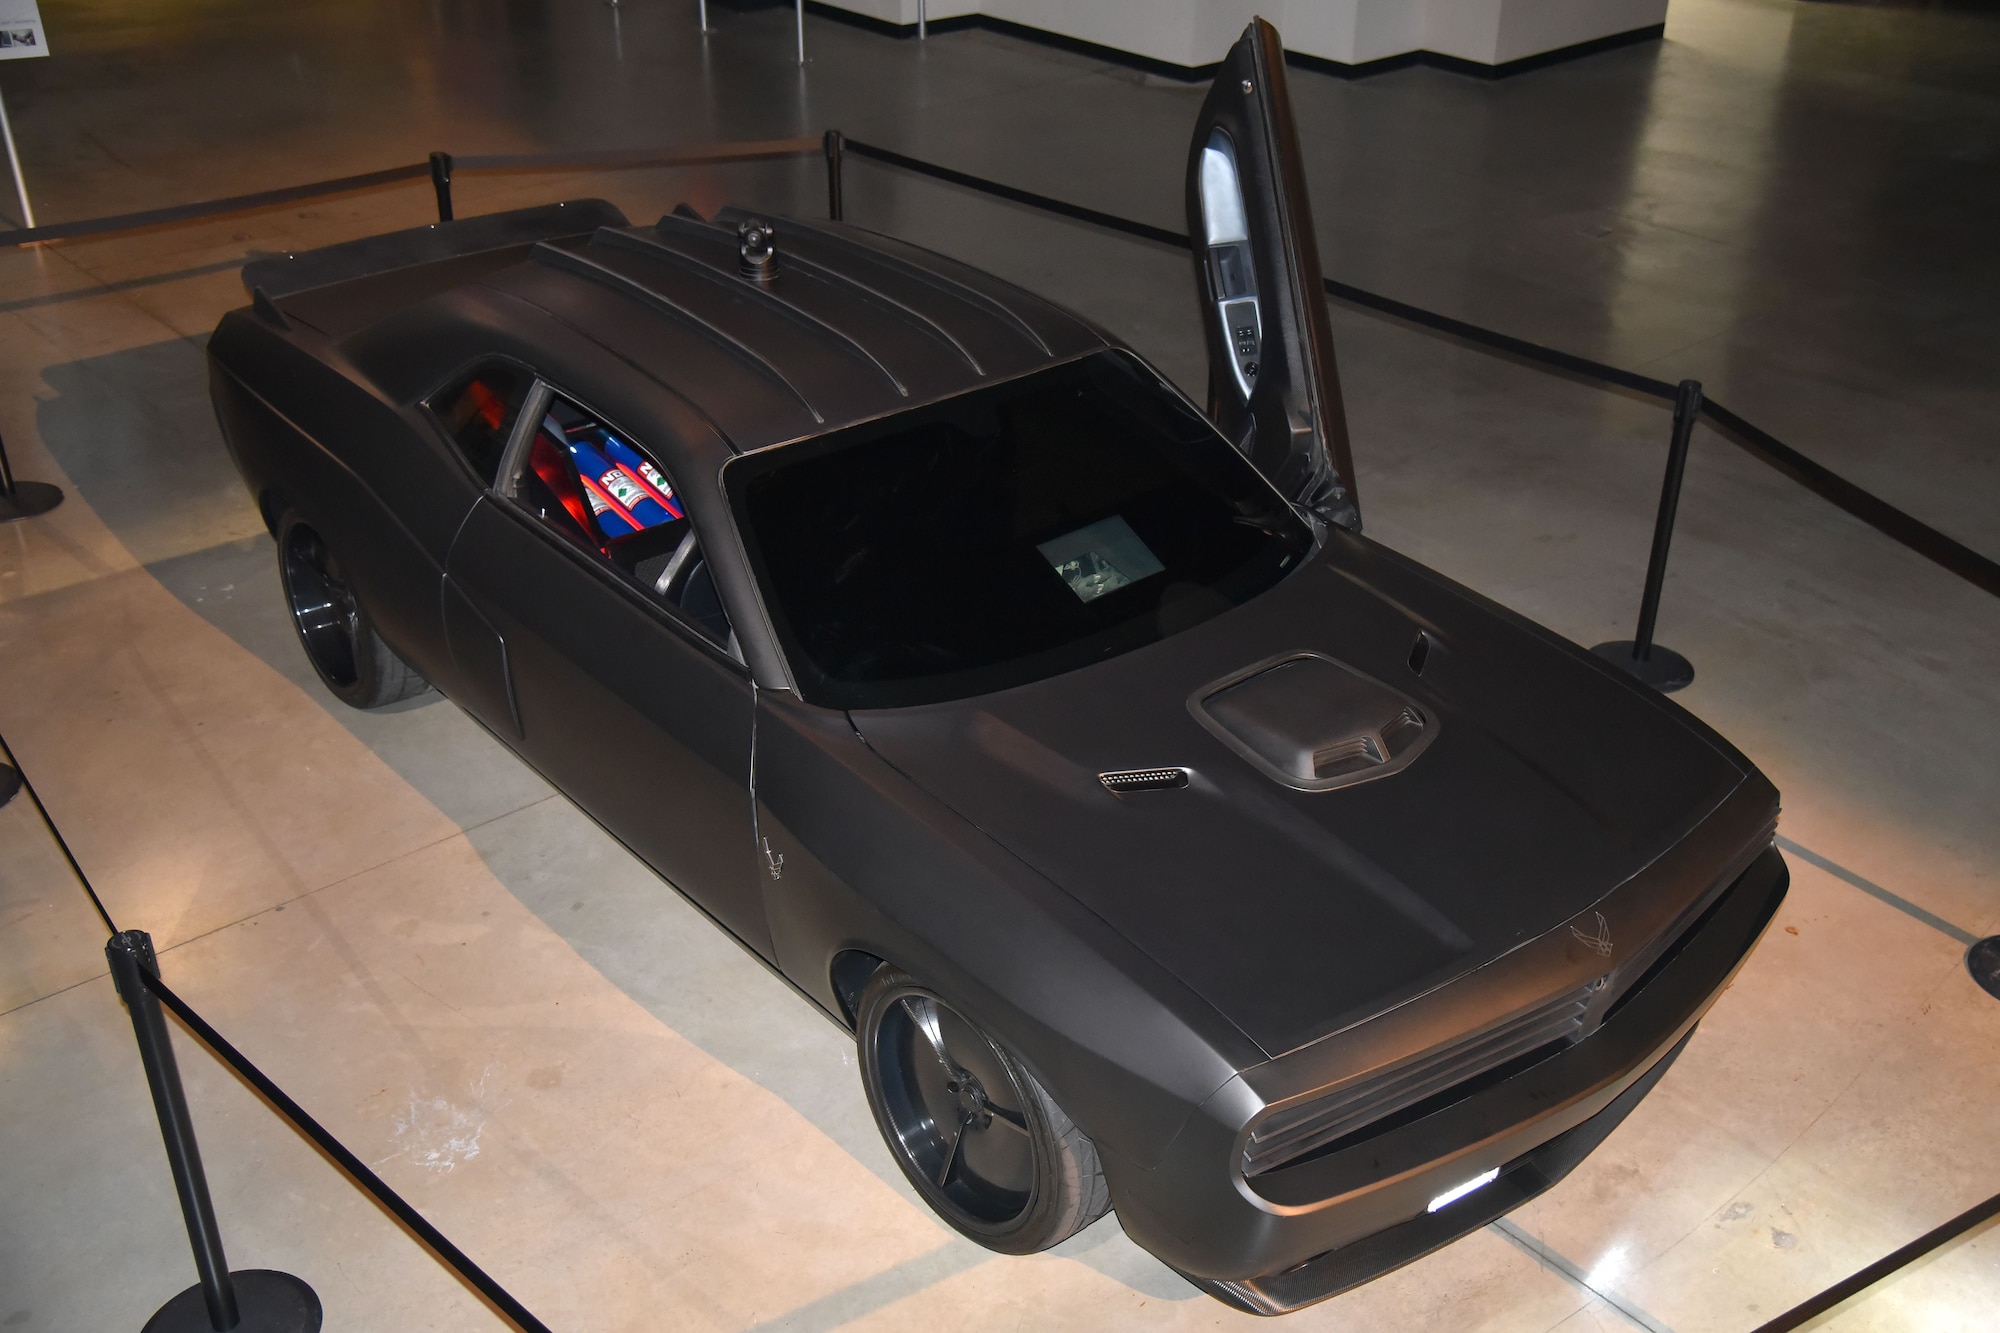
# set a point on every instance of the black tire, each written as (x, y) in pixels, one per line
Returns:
(339, 639)
(977, 1135)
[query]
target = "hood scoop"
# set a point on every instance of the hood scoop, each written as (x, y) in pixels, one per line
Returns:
(1313, 723)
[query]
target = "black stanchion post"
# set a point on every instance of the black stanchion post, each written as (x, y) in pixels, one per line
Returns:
(255, 1301)
(128, 951)
(441, 182)
(10, 783)
(1687, 410)
(834, 144)
(23, 499)
(1982, 960)
(1662, 668)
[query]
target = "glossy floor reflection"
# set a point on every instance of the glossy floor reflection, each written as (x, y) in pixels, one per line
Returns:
(619, 1113)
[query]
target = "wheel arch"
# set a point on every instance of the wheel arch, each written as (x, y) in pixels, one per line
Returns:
(849, 972)
(271, 506)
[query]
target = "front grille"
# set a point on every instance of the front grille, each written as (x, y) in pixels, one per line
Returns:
(1285, 1136)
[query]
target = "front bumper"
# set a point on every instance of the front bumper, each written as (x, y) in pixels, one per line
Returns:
(1309, 1230)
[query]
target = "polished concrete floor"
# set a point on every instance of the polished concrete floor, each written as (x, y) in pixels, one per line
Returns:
(617, 1112)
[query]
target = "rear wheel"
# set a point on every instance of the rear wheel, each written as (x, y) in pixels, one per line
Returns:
(339, 639)
(978, 1137)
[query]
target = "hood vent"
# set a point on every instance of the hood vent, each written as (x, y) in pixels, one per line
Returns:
(1313, 723)
(1145, 779)
(1358, 754)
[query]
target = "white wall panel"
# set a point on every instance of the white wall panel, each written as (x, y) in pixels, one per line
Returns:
(1530, 27)
(1352, 32)
(1468, 29)
(1382, 28)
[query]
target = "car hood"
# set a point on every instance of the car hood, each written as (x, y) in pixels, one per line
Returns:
(1544, 781)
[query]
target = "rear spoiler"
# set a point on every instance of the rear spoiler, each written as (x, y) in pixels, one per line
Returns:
(286, 275)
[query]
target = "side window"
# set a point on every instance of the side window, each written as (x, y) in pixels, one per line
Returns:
(478, 412)
(603, 492)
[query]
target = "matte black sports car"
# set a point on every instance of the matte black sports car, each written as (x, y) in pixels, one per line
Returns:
(1166, 844)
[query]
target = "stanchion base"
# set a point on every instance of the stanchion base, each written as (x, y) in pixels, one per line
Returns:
(29, 499)
(1982, 960)
(268, 1302)
(1664, 669)
(10, 783)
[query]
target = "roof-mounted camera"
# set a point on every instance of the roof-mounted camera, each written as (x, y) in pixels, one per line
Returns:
(758, 246)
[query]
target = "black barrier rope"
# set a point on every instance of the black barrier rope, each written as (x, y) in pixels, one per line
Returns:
(621, 159)
(62, 843)
(238, 203)
(379, 1189)
(1556, 359)
(1877, 513)
(442, 166)
(1047, 203)
(616, 159)
(1807, 1311)
(133, 964)
(1387, 305)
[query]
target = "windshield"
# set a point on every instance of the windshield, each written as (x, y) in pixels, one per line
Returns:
(1004, 535)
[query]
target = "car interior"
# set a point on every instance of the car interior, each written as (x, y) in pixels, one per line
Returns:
(596, 489)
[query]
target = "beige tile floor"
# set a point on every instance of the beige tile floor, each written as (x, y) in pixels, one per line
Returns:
(633, 1127)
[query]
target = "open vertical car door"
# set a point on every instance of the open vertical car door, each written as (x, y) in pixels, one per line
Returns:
(1272, 388)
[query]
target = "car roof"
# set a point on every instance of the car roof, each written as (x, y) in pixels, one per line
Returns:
(852, 326)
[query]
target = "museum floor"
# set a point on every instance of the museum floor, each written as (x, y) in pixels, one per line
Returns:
(624, 1118)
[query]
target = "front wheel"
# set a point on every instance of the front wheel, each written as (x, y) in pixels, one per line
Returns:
(978, 1137)
(339, 639)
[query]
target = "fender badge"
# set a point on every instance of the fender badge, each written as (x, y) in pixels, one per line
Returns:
(1600, 943)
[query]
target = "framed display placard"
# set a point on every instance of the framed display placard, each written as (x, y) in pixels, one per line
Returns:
(22, 36)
